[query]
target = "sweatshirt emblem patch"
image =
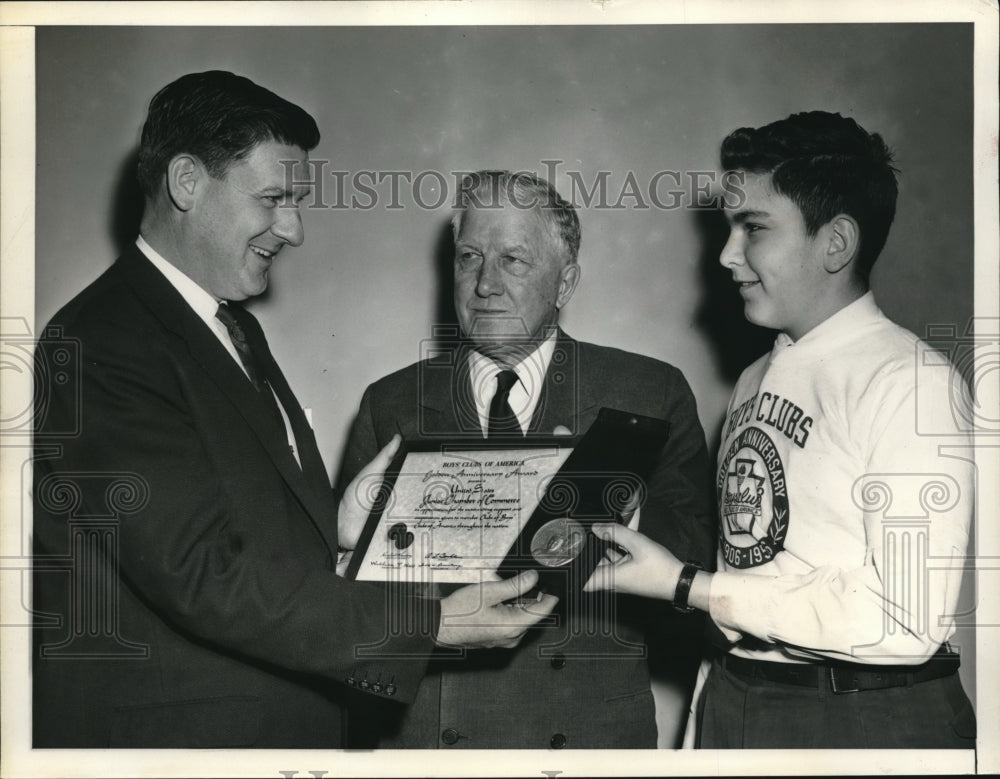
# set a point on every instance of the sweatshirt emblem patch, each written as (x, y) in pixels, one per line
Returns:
(753, 500)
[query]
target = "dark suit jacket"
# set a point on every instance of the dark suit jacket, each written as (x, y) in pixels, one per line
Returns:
(184, 584)
(586, 683)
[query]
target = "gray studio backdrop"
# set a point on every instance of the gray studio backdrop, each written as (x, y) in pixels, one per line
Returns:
(621, 116)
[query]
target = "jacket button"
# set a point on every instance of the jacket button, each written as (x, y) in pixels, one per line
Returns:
(449, 736)
(390, 689)
(350, 681)
(558, 661)
(377, 687)
(364, 684)
(558, 741)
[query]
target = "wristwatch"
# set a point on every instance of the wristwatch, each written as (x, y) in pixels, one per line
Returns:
(683, 588)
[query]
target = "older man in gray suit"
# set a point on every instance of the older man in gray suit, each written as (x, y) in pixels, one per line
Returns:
(585, 684)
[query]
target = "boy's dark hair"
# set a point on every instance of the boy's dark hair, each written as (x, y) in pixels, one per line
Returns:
(826, 164)
(218, 117)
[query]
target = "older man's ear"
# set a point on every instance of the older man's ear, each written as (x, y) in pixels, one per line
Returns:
(569, 278)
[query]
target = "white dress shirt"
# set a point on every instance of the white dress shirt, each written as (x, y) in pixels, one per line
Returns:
(205, 305)
(524, 395)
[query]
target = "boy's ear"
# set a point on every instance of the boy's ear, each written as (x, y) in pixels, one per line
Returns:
(844, 242)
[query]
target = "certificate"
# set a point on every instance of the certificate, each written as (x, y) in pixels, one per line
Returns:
(455, 511)
(449, 512)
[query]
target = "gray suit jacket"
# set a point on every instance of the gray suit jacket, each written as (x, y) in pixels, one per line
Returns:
(585, 683)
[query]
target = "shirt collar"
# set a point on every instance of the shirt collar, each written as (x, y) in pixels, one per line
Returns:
(843, 324)
(204, 304)
(530, 374)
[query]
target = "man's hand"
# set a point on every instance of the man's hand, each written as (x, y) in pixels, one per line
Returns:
(646, 568)
(476, 616)
(357, 500)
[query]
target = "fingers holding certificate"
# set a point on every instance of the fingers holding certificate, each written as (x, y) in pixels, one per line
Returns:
(480, 616)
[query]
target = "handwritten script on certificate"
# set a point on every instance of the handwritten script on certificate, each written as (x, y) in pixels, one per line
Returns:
(456, 513)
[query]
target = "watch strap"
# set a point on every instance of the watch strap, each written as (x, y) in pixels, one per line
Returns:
(683, 588)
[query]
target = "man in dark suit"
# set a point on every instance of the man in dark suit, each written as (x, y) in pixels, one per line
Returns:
(586, 683)
(185, 528)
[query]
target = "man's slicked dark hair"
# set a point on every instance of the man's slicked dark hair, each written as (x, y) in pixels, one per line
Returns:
(218, 117)
(826, 164)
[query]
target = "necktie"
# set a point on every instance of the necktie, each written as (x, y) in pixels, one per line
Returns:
(239, 339)
(503, 422)
(230, 316)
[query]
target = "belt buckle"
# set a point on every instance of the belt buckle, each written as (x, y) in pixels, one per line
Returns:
(832, 672)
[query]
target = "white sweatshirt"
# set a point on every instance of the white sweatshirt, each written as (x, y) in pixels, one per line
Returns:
(845, 496)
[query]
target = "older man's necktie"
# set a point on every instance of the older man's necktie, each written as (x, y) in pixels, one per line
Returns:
(503, 422)
(230, 316)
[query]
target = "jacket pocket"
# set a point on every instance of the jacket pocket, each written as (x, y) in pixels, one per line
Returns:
(632, 695)
(963, 722)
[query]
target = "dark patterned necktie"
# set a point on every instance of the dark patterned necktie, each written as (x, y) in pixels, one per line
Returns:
(230, 317)
(503, 422)
(239, 339)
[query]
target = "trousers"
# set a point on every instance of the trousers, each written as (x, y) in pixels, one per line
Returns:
(739, 713)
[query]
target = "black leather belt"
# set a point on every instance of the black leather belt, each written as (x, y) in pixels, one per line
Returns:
(843, 677)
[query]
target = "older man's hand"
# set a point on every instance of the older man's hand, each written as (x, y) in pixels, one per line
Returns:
(477, 617)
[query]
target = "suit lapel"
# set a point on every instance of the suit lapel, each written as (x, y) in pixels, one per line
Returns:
(311, 460)
(564, 401)
(177, 316)
(446, 404)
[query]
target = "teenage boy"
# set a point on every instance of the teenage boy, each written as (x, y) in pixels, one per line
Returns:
(840, 524)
